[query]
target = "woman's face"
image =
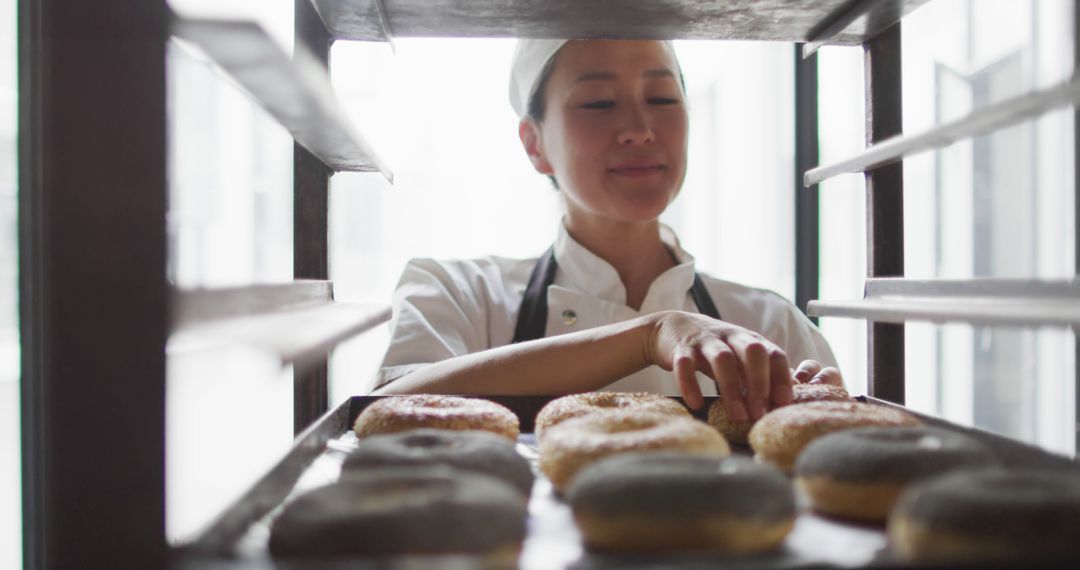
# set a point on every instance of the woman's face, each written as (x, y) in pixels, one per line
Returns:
(615, 129)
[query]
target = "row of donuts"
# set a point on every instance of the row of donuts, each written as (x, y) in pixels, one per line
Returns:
(944, 496)
(640, 474)
(441, 475)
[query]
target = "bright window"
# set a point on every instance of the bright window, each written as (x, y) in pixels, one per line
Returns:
(10, 459)
(996, 206)
(842, 206)
(229, 224)
(999, 205)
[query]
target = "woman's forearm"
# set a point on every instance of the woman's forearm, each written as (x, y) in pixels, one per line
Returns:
(751, 373)
(576, 362)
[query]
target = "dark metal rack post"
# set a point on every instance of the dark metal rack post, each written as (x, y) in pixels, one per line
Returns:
(1076, 216)
(807, 258)
(93, 297)
(884, 209)
(311, 224)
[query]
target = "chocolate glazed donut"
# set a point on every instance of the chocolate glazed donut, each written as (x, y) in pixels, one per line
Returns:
(397, 512)
(478, 451)
(989, 514)
(672, 502)
(860, 473)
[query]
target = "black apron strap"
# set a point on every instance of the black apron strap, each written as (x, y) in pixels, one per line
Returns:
(703, 299)
(532, 317)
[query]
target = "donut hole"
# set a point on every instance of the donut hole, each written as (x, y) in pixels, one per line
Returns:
(917, 438)
(633, 426)
(444, 404)
(629, 426)
(426, 441)
(609, 401)
(1024, 490)
(401, 494)
(929, 442)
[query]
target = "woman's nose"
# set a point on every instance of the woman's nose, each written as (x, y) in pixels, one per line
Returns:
(635, 128)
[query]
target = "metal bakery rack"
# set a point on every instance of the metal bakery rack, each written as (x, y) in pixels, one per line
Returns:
(238, 537)
(93, 178)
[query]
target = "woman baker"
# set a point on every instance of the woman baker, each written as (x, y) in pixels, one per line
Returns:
(615, 303)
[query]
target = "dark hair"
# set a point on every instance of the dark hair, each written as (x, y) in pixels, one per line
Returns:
(538, 106)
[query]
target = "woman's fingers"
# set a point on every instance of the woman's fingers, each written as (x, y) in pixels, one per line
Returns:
(685, 366)
(806, 370)
(756, 356)
(751, 373)
(828, 375)
(729, 379)
(779, 380)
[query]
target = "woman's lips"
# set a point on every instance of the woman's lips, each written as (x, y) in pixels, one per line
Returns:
(638, 171)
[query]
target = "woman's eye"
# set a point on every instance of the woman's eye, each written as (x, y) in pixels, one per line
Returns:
(663, 101)
(598, 105)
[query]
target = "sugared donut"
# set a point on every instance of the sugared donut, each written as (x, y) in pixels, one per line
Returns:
(860, 473)
(577, 405)
(391, 512)
(575, 443)
(670, 502)
(781, 434)
(989, 514)
(394, 414)
(801, 394)
(471, 450)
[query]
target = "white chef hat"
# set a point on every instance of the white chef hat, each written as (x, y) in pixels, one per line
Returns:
(530, 57)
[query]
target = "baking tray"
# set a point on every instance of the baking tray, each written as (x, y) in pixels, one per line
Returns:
(238, 537)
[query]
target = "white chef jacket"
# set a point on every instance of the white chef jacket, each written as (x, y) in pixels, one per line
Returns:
(444, 309)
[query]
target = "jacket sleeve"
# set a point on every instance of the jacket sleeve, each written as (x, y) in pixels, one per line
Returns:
(798, 336)
(437, 315)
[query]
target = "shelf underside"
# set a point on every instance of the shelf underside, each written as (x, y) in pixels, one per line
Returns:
(297, 323)
(770, 20)
(296, 90)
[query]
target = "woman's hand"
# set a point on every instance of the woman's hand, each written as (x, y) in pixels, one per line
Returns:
(751, 373)
(811, 372)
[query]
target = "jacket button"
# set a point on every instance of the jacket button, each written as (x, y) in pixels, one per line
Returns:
(569, 317)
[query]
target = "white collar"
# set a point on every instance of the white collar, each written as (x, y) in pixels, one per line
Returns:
(586, 272)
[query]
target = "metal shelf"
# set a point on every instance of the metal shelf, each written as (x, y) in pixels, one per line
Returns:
(299, 323)
(984, 302)
(774, 20)
(296, 90)
(983, 121)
